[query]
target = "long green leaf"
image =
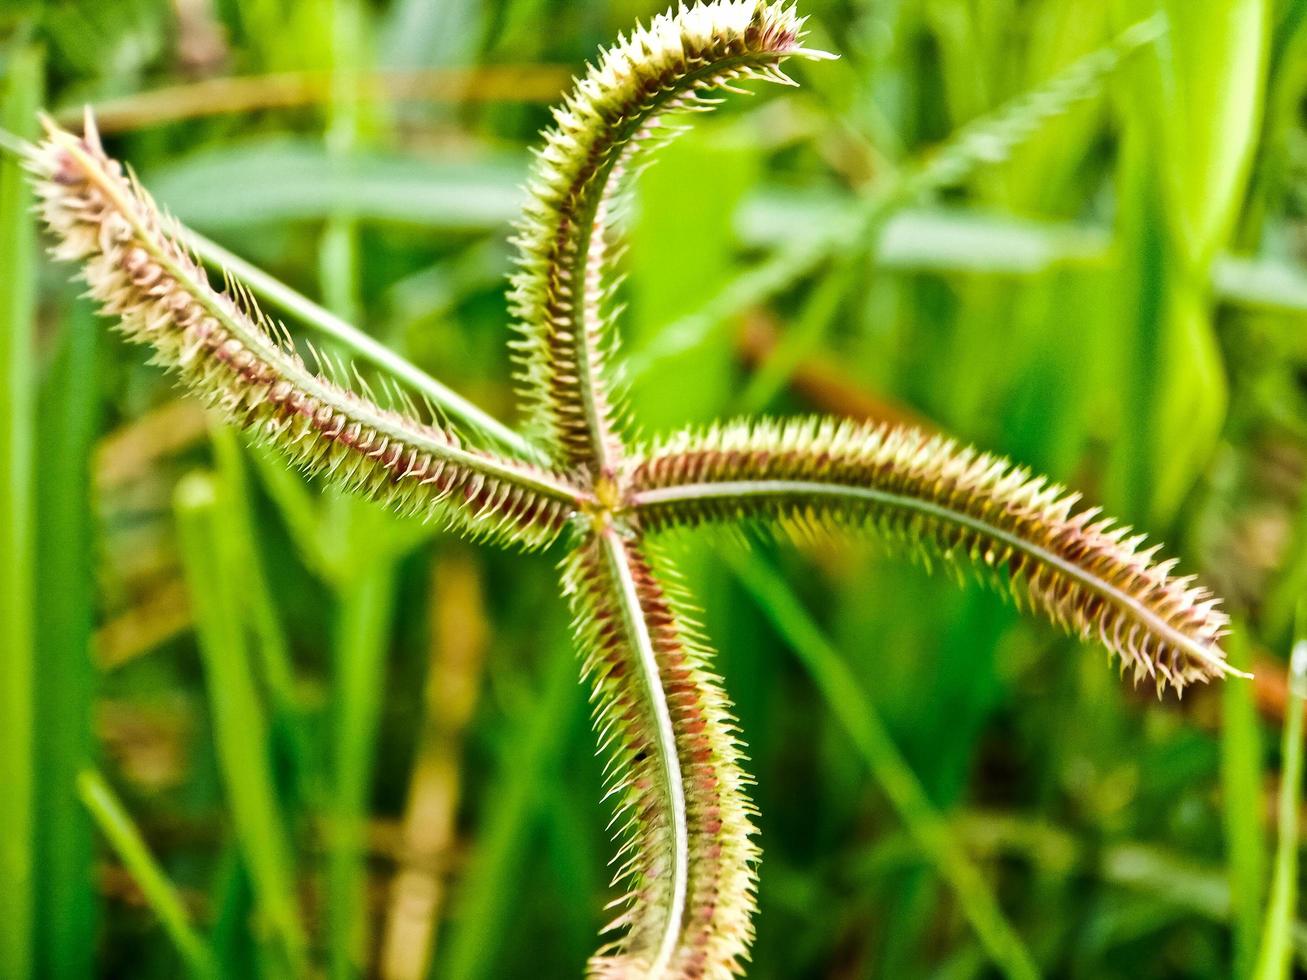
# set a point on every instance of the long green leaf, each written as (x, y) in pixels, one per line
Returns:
(360, 645)
(366, 593)
(213, 570)
(21, 96)
(66, 683)
(116, 825)
(290, 719)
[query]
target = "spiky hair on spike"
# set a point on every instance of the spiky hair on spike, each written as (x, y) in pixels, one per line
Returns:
(236, 359)
(686, 857)
(560, 291)
(1023, 534)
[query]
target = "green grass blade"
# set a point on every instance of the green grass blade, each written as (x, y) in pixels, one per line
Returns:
(276, 665)
(366, 586)
(22, 95)
(362, 639)
(1241, 784)
(127, 842)
(487, 894)
(67, 901)
(299, 511)
(213, 571)
(857, 716)
(1276, 953)
(289, 716)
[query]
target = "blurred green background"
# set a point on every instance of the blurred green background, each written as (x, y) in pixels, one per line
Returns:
(249, 728)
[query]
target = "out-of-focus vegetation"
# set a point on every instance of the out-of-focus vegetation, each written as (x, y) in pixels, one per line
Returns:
(251, 729)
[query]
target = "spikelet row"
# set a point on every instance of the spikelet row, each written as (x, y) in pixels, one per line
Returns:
(715, 930)
(1091, 576)
(560, 289)
(231, 356)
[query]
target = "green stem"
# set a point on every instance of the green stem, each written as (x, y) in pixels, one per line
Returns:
(366, 591)
(65, 928)
(17, 552)
(358, 343)
(291, 720)
(1241, 789)
(361, 642)
(213, 569)
(1276, 952)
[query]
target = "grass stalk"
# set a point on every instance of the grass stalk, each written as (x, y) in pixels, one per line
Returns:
(65, 686)
(1276, 953)
(366, 589)
(160, 894)
(289, 717)
(213, 571)
(1241, 784)
(21, 96)
(361, 642)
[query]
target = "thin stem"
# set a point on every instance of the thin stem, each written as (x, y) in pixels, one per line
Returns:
(358, 343)
(288, 90)
(856, 714)
(160, 893)
(1241, 787)
(1276, 952)
(18, 646)
(212, 565)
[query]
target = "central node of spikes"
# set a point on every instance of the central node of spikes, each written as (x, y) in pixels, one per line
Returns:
(607, 494)
(608, 503)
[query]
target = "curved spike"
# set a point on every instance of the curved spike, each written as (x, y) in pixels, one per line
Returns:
(220, 345)
(1083, 572)
(685, 853)
(563, 262)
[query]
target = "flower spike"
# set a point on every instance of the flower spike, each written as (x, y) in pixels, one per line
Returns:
(1088, 575)
(687, 858)
(238, 360)
(562, 280)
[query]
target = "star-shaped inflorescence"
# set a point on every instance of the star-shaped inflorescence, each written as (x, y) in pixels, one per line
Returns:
(687, 859)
